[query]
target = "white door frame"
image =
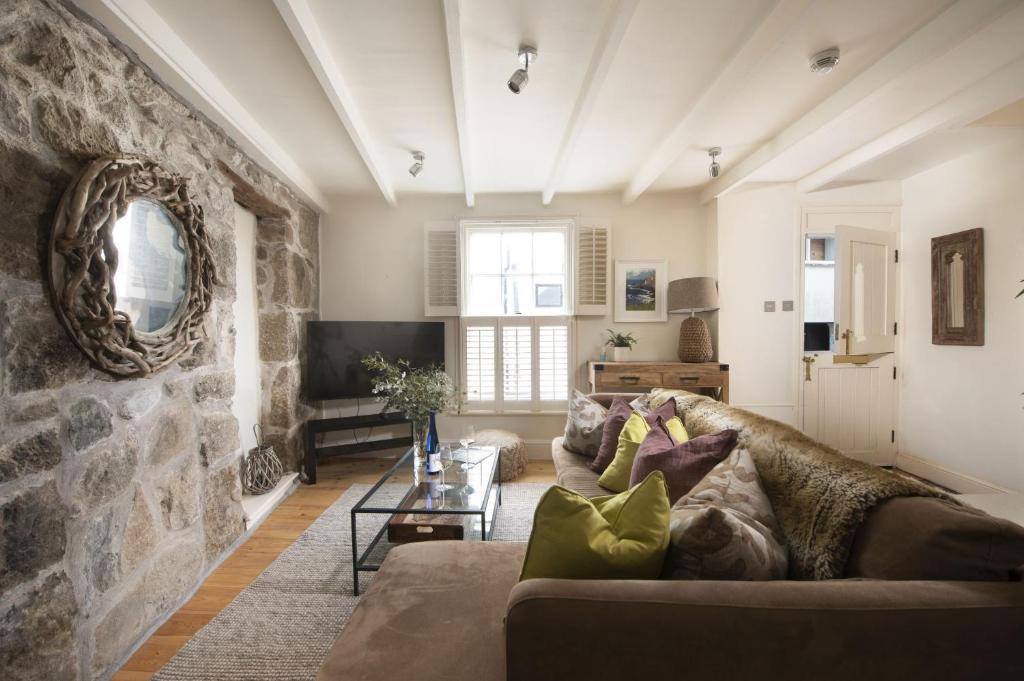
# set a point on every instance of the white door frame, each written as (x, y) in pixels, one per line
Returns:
(806, 210)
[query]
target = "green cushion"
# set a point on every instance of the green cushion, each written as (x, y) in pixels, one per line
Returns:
(616, 477)
(623, 536)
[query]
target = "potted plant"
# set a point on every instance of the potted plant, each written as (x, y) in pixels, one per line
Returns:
(418, 393)
(622, 345)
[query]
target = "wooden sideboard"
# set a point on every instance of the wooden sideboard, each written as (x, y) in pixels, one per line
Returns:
(706, 378)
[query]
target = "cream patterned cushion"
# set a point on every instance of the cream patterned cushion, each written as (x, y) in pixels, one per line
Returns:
(513, 451)
(584, 425)
(725, 528)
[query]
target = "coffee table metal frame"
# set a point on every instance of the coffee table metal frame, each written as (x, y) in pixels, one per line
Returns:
(360, 561)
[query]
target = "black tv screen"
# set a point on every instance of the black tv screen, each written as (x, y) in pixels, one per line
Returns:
(335, 351)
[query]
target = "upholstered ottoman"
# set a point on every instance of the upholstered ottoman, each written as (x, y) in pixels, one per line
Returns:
(513, 451)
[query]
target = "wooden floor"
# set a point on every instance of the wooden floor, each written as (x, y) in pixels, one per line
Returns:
(278, 531)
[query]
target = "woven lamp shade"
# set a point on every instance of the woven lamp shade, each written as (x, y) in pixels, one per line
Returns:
(695, 294)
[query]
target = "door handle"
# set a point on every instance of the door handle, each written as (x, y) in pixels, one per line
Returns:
(847, 335)
(630, 380)
(808, 360)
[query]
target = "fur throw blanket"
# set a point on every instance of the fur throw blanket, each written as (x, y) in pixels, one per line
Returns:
(820, 497)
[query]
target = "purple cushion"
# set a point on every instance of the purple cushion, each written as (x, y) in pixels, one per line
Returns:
(684, 465)
(618, 413)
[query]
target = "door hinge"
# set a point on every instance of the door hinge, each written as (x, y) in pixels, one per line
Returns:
(895, 328)
(892, 436)
(897, 255)
(894, 373)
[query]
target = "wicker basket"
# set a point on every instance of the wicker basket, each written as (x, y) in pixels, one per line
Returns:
(261, 469)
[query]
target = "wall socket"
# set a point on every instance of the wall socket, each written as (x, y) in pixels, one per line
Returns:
(769, 306)
(787, 305)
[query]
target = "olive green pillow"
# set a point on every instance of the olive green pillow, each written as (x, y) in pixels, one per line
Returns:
(616, 477)
(623, 536)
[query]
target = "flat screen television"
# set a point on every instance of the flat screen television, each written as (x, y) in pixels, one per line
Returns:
(335, 350)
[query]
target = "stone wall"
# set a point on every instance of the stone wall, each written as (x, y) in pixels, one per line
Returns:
(117, 495)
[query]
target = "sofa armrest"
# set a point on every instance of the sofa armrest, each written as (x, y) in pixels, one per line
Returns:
(836, 630)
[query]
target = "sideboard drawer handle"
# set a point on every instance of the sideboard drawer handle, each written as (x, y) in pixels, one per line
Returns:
(689, 380)
(632, 380)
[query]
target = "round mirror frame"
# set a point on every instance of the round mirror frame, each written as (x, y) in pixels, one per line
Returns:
(83, 260)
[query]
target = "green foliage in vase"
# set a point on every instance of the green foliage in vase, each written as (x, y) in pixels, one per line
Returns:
(413, 391)
(620, 340)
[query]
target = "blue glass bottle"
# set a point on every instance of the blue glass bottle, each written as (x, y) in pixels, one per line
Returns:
(432, 443)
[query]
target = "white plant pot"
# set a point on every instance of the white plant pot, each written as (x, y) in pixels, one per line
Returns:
(621, 354)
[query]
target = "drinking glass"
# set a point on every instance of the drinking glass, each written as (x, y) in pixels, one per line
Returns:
(467, 438)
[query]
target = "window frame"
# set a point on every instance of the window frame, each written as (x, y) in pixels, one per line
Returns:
(567, 225)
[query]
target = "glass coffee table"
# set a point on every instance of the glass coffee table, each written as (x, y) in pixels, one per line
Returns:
(458, 503)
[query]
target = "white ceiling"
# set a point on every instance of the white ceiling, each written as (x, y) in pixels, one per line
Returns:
(627, 111)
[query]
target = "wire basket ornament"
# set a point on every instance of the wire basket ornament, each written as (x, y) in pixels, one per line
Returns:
(261, 469)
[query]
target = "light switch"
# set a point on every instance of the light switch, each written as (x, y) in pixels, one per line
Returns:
(787, 305)
(769, 306)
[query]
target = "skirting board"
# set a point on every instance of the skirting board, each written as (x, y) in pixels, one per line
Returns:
(257, 507)
(961, 482)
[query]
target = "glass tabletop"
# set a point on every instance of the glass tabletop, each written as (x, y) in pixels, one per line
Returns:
(463, 486)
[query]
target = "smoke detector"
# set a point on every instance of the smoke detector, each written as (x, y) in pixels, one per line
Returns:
(825, 61)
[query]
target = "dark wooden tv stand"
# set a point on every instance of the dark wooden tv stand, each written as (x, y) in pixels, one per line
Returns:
(316, 427)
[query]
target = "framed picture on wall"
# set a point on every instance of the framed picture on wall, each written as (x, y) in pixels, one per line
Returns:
(640, 290)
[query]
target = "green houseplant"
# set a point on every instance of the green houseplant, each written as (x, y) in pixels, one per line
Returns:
(622, 345)
(416, 392)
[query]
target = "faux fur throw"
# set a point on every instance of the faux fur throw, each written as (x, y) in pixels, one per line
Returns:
(820, 497)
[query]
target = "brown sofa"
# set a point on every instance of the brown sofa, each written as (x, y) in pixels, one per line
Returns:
(450, 610)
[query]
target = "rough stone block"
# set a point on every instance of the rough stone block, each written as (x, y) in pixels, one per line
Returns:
(293, 279)
(217, 386)
(284, 396)
(69, 130)
(279, 337)
(218, 436)
(38, 352)
(274, 230)
(106, 475)
(138, 403)
(141, 533)
(90, 422)
(27, 410)
(222, 518)
(32, 454)
(37, 633)
(178, 492)
(32, 535)
(172, 433)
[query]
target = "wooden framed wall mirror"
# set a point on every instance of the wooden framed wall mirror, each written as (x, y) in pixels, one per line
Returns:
(958, 288)
(131, 272)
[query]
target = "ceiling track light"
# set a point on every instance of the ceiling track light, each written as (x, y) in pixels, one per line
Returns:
(417, 167)
(714, 169)
(825, 61)
(519, 79)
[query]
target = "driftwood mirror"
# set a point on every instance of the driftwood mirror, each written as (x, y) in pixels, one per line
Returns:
(131, 274)
(958, 289)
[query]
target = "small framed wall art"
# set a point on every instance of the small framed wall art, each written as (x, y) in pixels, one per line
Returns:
(641, 290)
(958, 288)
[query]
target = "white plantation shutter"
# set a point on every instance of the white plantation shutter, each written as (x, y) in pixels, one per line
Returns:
(479, 363)
(517, 363)
(593, 283)
(441, 269)
(553, 362)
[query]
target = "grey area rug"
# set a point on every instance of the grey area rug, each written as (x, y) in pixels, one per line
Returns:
(281, 626)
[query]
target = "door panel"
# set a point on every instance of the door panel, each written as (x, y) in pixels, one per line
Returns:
(866, 289)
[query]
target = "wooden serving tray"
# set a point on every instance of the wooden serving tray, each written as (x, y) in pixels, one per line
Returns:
(404, 528)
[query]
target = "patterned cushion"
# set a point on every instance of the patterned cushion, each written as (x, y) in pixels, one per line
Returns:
(684, 463)
(584, 425)
(618, 414)
(725, 528)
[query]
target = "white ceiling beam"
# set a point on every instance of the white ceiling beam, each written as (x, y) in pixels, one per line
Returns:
(607, 47)
(456, 58)
(141, 28)
(754, 49)
(954, 25)
(1003, 87)
(306, 32)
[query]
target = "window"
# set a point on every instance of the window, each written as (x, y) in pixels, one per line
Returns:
(516, 332)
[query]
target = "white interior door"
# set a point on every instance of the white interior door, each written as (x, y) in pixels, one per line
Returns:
(246, 402)
(850, 283)
(866, 290)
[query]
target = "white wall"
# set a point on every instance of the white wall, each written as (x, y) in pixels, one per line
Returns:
(372, 269)
(246, 402)
(961, 407)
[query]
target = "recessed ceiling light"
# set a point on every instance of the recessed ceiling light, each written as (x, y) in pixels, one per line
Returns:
(519, 79)
(825, 61)
(417, 167)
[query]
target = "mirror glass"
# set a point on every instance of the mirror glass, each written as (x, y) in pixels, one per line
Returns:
(955, 296)
(152, 269)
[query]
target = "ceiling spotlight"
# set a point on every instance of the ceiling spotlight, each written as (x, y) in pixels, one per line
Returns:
(825, 61)
(714, 169)
(519, 79)
(417, 167)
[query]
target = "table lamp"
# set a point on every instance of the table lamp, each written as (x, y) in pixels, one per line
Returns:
(694, 294)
